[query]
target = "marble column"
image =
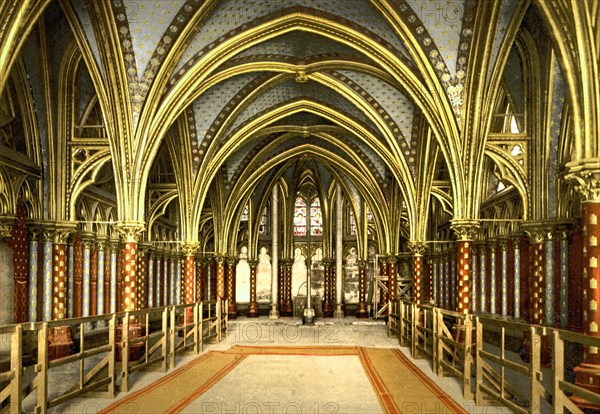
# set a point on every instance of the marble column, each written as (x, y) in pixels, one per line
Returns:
(87, 248)
(339, 252)
(516, 251)
(151, 279)
(474, 277)
(100, 304)
(47, 273)
(563, 248)
(492, 277)
(94, 278)
(274, 313)
(362, 312)
(465, 231)
(231, 272)
(33, 274)
(114, 274)
(253, 304)
(417, 248)
(503, 273)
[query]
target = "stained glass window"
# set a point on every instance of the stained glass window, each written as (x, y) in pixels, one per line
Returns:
(263, 223)
(316, 218)
(300, 217)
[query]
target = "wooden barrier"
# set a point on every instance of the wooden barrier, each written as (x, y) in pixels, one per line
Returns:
(487, 372)
(104, 346)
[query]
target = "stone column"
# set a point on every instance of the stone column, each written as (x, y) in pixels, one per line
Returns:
(101, 296)
(274, 313)
(142, 275)
(231, 269)
(59, 338)
(252, 305)
(418, 249)
(189, 249)
(549, 277)
(160, 265)
(563, 246)
(114, 255)
(392, 273)
(339, 252)
(362, 312)
(94, 278)
(130, 232)
(220, 270)
(87, 249)
(465, 231)
(327, 305)
(536, 274)
(516, 249)
(19, 243)
(151, 278)
(47, 273)
(588, 372)
(483, 251)
(77, 276)
(503, 277)
(33, 274)
(6, 278)
(287, 305)
(492, 277)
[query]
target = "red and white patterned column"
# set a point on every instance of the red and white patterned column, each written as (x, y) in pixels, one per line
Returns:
(220, 269)
(588, 372)
(418, 249)
(189, 250)
(231, 268)
(130, 232)
(536, 275)
(392, 276)
(253, 304)
(465, 231)
(362, 291)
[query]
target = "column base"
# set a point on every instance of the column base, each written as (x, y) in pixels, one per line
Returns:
(232, 311)
(327, 309)
(339, 312)
(136, 351)
(587, 376)
(252, 310)
(59, 342)
(287, 308)
(545, 351)
(274, 313)
(308, 317)
(362, 312)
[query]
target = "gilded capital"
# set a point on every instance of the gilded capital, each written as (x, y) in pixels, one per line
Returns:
(586, 174)
(6, 226)
(130, 231)
(62, 232)
(190, 248)
(417, 248)
(537, 232)
(465, 229)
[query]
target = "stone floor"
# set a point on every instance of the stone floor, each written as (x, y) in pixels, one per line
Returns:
(286, 384)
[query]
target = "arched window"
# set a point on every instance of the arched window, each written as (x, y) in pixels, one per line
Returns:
(300, 222)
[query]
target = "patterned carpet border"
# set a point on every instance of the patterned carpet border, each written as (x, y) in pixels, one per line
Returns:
(397, 382)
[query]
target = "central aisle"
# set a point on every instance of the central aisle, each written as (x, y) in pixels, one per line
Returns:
(291, 384)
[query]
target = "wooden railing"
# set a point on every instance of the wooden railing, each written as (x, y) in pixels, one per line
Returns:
(106, 348)
(457, 345)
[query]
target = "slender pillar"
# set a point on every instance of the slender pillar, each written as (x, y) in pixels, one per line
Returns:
(47, 274)
(536, 275)
(87, 248)
(142, 275)
(212, 277)
(19, 243)
(77, 276)
(6, 278)
(287, 307)
(189, 249)
(465, 231)
(339, 252)
(101, 277)
(94, 278)
(220, 272)
(504, 277)
(114, 274)
(274, 313)
(563, 246)
(362, 292)
(252, 305)
(549, 278)
(516, 243)
(392, 272)
(327, 305)
(474, 277)
(33, 274)
(418, 249)
(492, 277)
(59, 338)
(483, 252)
(231, 268)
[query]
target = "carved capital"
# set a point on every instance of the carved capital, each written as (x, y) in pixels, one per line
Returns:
(63, 231)
(537, 232)
(586, 174)
(130, 231)
(219, 259)
(465, 229)
(417, 248)
(6, 225)
(362, 264)
(190, 248)
(253, 263)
